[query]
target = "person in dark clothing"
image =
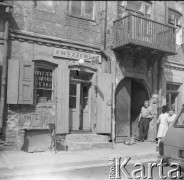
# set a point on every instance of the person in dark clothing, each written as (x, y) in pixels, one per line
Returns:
(144, 120)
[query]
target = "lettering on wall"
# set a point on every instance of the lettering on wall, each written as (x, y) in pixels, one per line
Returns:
(43, 78)
(36, 120)
(72, 54)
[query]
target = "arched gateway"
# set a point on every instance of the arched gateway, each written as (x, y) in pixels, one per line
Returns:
(129, 98)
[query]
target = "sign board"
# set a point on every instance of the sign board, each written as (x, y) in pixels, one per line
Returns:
(72, 54)
(43, 78)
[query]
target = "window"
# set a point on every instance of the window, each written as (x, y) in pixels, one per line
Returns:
(140, 8)
(72, 95)
(180, 120)
(174, 18)
(43, 84)
(172, 91)
(85, 91)
(44, 5)
(83, 9)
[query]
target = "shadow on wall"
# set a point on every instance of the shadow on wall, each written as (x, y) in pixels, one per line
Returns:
(0, 78)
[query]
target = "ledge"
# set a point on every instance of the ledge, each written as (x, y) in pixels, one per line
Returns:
(31, 36)
(6, 4)
(34, 128)
(45, 105)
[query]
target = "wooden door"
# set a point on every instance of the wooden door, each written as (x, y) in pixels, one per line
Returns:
(122, 109)
(85, 106)
(62, 86)
(74, 102)
(104, 103)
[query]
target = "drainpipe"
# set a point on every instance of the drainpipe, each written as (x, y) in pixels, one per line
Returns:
(161, 65)
(4, 69)
(103, 51)
(108, 58)
(160, 87)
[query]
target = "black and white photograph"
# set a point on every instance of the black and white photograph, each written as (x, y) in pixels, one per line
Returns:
(91, 90)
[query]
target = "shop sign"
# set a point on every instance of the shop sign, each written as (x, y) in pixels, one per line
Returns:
(72, 54)
(43, 78)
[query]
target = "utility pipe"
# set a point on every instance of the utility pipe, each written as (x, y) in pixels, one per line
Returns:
(160, 85)
(4, 69)
(108, 58)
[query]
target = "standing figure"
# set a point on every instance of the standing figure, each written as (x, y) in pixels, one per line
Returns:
(144, 120)
(171, 116)
(162, 122)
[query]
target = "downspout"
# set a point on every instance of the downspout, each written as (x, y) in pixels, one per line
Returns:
(103, 51)
(108, 59)
(159, 87)
(4, 69)
(161, 65)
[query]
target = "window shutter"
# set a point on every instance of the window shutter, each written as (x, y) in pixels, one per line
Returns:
(26, 82)
(62, 121)
(104, 102)
(13, 81)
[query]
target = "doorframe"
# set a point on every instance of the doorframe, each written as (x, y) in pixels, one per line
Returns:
(78, 81)
(144, 83)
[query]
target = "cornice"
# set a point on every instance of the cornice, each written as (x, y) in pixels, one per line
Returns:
(171, 66)
(51, 41)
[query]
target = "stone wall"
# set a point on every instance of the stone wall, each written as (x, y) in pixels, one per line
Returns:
(22, 117)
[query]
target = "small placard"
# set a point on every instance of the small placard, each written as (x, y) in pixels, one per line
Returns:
(43, 78)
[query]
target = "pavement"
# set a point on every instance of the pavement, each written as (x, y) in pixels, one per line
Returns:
(18, 163)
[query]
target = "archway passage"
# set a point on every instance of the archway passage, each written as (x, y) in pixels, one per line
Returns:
(130, 96)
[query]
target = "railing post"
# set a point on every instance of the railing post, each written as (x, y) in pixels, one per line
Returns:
(114, 34)
(174, 40)
(130, 27)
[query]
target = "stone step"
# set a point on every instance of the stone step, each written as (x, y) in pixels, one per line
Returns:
(86, 138)
(78, 146)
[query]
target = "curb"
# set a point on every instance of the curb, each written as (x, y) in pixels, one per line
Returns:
(40, 169)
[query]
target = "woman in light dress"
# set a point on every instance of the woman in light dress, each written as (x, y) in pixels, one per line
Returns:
(171, 116)
(163, 125)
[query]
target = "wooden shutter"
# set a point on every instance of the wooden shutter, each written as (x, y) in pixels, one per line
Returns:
(62, 121)
(104, 102)
(26, 82)
(13, 81)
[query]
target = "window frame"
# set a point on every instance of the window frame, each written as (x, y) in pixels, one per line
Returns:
(176, 125)
(36, 6)
(141, 13)
(171, 92)
(82, 11)
(175, 13)
(45, 65)
(178, 27)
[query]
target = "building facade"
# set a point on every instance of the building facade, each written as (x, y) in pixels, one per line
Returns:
(87, 67)
(58, 73)
(145, 44)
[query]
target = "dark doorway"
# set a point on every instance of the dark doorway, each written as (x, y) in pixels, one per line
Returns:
(130, 97)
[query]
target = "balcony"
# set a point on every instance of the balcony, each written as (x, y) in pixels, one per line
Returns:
(134, 31)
